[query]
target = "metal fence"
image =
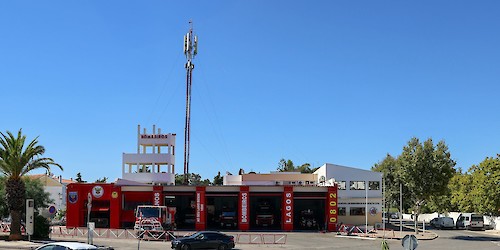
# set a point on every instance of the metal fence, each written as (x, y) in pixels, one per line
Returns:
(240, 238)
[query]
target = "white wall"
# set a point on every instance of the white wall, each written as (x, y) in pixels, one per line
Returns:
(231, 180)
(355, 198)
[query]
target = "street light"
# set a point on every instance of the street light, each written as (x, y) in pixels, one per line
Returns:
(60, 201)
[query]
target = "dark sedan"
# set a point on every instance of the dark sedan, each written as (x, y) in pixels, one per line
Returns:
(204, 240)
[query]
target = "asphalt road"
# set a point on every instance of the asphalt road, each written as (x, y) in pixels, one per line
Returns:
(448, 239)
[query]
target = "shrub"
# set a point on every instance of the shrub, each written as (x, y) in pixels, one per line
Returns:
(42, 228)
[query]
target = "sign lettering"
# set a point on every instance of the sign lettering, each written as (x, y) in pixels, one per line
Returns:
(332, 206)
(156, 199)
(244, 207)
(288, 208)
(198, 207)
(159, 136)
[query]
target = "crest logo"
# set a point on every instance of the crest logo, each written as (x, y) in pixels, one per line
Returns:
(73, 197)
(97, 191)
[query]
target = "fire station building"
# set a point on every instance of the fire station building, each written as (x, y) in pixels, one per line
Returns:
(276, 201)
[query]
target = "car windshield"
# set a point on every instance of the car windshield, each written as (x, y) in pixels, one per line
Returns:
(228, 214)
(196, 235)
(147, 212)
(476, 218)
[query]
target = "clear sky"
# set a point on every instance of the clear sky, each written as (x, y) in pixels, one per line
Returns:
(343, 82)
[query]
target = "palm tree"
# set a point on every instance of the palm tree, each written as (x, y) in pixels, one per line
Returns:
(16, 160)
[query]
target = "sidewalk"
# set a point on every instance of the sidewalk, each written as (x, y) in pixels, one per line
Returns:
(5, 244)
(427, 235)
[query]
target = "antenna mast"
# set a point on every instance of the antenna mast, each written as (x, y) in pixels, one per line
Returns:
(190, 51)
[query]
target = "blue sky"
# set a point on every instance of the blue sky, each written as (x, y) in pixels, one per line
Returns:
(342, 82)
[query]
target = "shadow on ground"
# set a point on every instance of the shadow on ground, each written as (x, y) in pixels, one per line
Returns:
(475, 238)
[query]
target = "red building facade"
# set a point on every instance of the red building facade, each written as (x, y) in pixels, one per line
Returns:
(201, 208)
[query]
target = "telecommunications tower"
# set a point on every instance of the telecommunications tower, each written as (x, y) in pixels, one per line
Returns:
(190, 51)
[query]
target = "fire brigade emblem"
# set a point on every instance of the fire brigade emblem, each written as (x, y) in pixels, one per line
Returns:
(97, 191)
(73, 197)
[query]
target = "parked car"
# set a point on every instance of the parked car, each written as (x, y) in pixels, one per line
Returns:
(445, 222)
(470, 221)
(489, 223)
(66, 246)
(70, 245)
(204, 240)
(395, 216)
(434, 222)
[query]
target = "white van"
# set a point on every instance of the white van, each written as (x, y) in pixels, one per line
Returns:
(445, 222)
(470, 221)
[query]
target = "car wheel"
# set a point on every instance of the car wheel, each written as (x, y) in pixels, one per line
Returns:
(185, 247)
(222, 247)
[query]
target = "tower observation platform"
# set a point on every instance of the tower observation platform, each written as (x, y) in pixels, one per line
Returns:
(154, 162)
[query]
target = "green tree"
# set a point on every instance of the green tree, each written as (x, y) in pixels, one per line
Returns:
(193, 178)
(461, 189)
(390, 169)
(102, 180)
(79, 178)
(34, 190)
(218, 179)
(17, 160)
(426, 170)
(288, 166)
(485, 193)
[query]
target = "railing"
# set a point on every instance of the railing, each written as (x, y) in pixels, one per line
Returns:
(240, 238)
(5, 227)
(261, 239)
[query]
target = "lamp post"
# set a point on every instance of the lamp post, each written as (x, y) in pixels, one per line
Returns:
(60, 202)
(366, 207)
(89, 227)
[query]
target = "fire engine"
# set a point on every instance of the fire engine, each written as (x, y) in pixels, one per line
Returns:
(228, 218)
(265, 216)
(153, 218)
(307, 219)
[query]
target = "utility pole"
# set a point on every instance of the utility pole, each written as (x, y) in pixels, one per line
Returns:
(190, 51)
(400, 208)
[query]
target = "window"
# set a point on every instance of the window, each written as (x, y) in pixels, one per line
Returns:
(341, 185)
(342, 211)
(212, 236)
(374, 185)
(357, 211)
(322, 179)
(357, 185)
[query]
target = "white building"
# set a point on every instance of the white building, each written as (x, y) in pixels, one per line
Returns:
(56, 187)
(271, 179)
(359, 191)
(154, 161)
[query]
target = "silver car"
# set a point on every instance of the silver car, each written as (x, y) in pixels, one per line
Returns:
(66, 246)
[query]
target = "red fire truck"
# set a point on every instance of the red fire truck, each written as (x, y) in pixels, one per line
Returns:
(264, 214)
(153, 218)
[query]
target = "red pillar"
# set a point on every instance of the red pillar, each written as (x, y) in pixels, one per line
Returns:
(332, 208)
(74, 205)
(287, 209)
(115, 207)
(244, 208)
(200, 209)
